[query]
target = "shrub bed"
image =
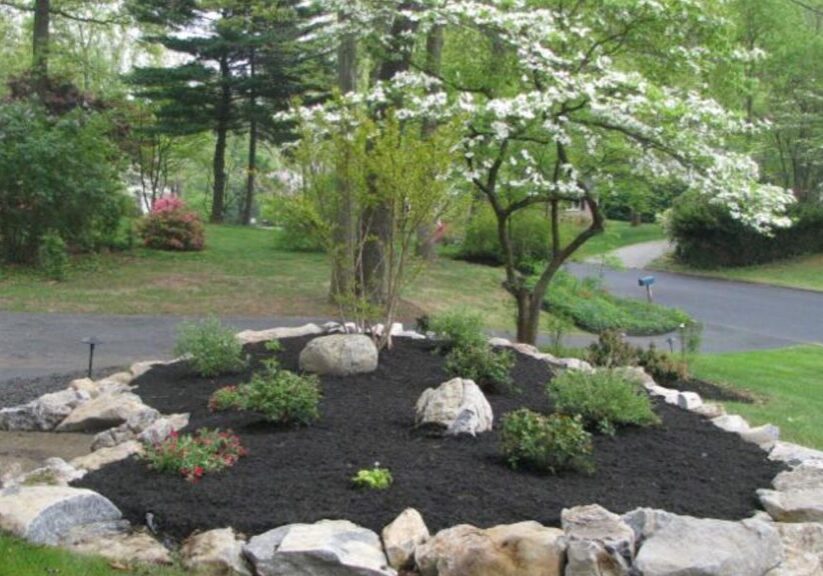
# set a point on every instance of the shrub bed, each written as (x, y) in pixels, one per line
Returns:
(170, 226)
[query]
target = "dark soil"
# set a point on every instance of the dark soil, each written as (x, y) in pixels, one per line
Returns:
(686, 465)
(710, 391)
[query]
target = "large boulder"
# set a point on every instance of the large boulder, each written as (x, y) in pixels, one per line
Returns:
(402, 537)
(129, 430)
(598, 542)
(106, 411)
(675, 545)
(44, 413)
(256, 336)
(458, 405)
(794, 505)
(794, 454)
(524, 549)
(807, 476)
(105, 456)
(803, 549)
(46, 514)
(163, 427)
(340, 355)
(215, 553)
(326, 548)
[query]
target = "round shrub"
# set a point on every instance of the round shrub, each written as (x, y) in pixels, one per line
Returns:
(284, 397)
(170, 226)
(212, 347)
(603, 399)
(461, 328)
(546, 443)
(490, 369)
(530, 235)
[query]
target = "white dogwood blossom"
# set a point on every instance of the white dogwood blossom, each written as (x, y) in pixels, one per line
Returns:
(574, 101)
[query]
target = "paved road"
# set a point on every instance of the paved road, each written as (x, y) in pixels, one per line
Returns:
(736, 315)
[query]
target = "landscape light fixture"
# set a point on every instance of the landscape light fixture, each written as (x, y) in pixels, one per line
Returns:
(92, 342)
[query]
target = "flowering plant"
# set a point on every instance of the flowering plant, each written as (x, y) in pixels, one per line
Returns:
(170, 226)
(193, 455)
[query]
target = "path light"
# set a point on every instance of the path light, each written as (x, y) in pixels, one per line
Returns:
(670, 340)
(92, 342)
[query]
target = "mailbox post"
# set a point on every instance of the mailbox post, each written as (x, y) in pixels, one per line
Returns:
(647, 282)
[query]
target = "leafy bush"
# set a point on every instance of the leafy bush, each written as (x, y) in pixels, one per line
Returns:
(490, 369)
(226, 398)
(376, 478)
(662, 366)
(460, 328)
(604, 399)
(52, 257)
(611, 350)
(170, 226)
(707, 236)
(593, 309)
(192, 456)
(284, 397)
(301, 228)
(546, 443)
(58, 174)
(530, 234)
(213, 347)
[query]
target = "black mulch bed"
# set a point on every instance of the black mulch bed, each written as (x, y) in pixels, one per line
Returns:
(685, 466)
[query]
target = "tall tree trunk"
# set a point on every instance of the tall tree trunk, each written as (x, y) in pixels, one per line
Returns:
(252, 167)
(40, 43)
(219, 165)
(343, 261)
(434, 58)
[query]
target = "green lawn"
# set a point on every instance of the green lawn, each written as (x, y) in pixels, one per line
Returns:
(21, 559)
(617, 235)
(787, 383)
(803, 272)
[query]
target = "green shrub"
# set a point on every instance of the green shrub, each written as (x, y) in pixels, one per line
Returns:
(213, 347)
(460, 328)
(490, 369)
(603, 399)
(52, 257)
(593, 309)
(59, 174)
(301, 229)
(707, 236)
(193, 455)
(376, 478)
(170, 226)
(662, 366)
(546, 443)
(612, 350)
(530, 235)
(283, 397)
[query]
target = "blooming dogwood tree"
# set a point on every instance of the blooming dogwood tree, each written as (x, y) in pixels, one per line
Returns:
(577, 95)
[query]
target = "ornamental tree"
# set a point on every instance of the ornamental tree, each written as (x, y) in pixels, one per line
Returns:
(559, 101)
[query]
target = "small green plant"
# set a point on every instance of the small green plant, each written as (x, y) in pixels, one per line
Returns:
(193, 455)
(226, 398)
(52, 257)
(212, 347)
(284, 397)
(603, 399)
(550, 444)
(376, 478)
(489, 368)
(661, 366)
(612, 350)
(460, 328)
(558, 327)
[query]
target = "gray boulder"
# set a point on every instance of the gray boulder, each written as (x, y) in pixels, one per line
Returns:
(458, 405)
(255, 336)
(105, 411)
(403, 536)
(599, 543)
(794, 505)
(794, 454)
(45, 514)
(44, 413)
(340, 355)
(684, 546)
(326, 548)
(216, 552)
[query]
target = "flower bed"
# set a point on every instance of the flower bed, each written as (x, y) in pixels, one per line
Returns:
(686, 465)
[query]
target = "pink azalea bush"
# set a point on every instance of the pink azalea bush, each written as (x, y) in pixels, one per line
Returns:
(171, 226)
(193, 455)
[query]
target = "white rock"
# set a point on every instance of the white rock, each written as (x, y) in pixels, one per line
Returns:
(129, 548)
(711, 410)
(457, 405)
(689, 401)
(86, 385)
(731, 423)
(396, 329)
(807, 476)
(105, 411)
(500, 342)
(326, 548)
(256, 336)
(45, 514)
(54, 472)
(765, 436)
(794, 454)
(44, 413)
(598, 542)
(402, 537)
(105, 456)
(216, 552)
(524, 549)
(139, 368)
(340, 355)
(10, 474)
(163, 427)
(412, 335)
(803, 548)
(794, 505)
(682, 545)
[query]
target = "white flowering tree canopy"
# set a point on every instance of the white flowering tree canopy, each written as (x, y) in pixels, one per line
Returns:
(583, 93)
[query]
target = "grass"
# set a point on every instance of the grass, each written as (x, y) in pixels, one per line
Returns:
(618, 235)
(786, 382)
(22, 559)
(802, 272)
(241, 273)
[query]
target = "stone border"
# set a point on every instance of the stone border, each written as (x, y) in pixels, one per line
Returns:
(786, 540)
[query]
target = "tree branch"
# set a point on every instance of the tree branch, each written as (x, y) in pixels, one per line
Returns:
(66, 15)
